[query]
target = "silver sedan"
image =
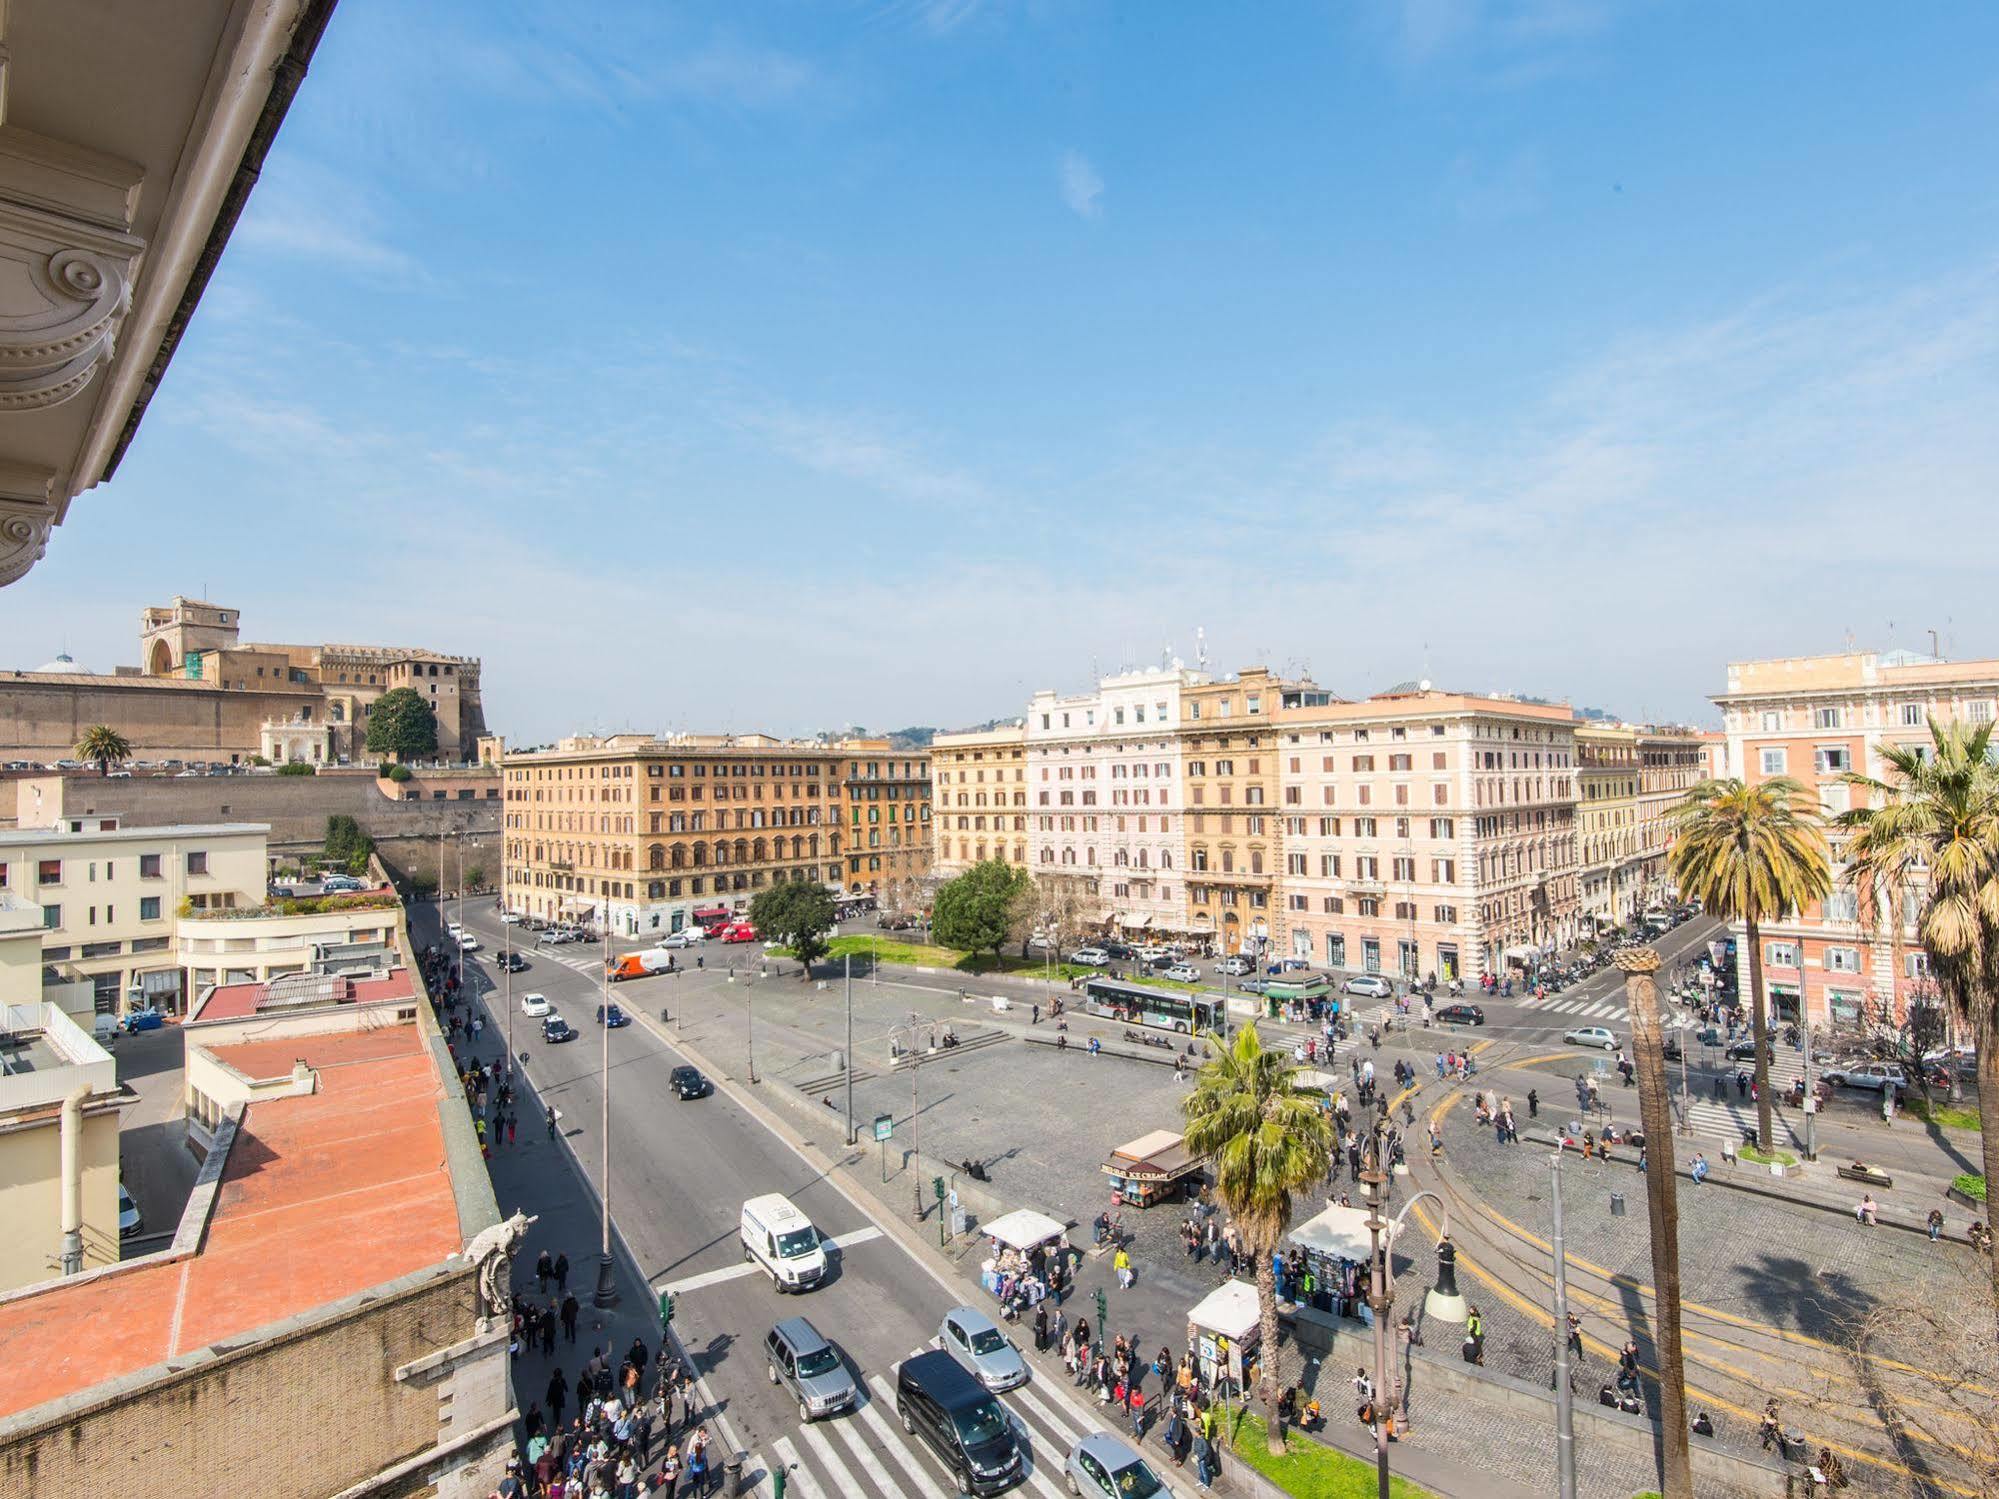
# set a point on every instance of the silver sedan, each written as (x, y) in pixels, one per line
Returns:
(971, 1338)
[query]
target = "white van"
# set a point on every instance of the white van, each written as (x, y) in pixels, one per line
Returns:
(782, 1240)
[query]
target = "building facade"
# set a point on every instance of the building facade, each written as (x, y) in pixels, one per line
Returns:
(1426, 832)
(205, 695)
(1813, 718)
(1233, 818)
(1628, 779)
(643, 832)
(1105, 771)
(888, 816)
(980, 798)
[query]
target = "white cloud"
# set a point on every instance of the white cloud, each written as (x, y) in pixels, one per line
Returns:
(1082, 188)
(305, 211)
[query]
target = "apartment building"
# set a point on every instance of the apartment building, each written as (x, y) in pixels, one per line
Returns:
(113, 898)
(888, 815)
(641, 831)
(980, 798)
(1232, 819)
(1628, 779)
(1813, 718)
(1105, 771)
(1425, 831)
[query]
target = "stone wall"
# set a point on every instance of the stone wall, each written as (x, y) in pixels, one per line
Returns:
(307, 1412)
(42, 717)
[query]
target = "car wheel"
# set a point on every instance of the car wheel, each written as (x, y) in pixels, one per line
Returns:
(963, 1480)
(908, 1425)
(1070, 1479)
(804, 1414)
(1610, 1046)
(771, 1371)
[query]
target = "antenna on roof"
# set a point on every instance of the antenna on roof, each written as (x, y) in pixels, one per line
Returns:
(1200, 647)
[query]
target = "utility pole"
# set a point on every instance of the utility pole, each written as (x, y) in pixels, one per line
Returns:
(750, 1022)
(607, 1289)
(1565, 1413)
(848, 962)
(915, 1117)
(1375, 1180)
(1811, 1102)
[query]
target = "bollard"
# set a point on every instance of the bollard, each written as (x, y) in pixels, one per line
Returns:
(1617, 1204)
(737, 1467)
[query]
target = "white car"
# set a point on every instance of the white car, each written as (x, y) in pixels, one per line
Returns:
(466, 942)
(687, 937)
(1185, 973)
(1871, 1075)
(1591, 1035)
(1369, 985)
(510, 918)
(1236, 964)
(534, 1005)
(1090, 957)
(129, 1221)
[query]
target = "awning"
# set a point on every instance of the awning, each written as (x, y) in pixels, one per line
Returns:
(1133, 923)
(1520, 954)
(1023, 1228)
(1158, 1157)
(1230, 1309)
(1341, 1233)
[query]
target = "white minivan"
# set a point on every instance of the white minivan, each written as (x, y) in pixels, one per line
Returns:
(782, 1240)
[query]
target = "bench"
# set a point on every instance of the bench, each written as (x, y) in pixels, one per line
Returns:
(1874, 1176)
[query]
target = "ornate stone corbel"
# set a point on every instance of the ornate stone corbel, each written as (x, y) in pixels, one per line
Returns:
(492, 1250)
(26, 513)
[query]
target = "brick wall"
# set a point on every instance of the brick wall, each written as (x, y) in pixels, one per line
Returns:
(305, 1414)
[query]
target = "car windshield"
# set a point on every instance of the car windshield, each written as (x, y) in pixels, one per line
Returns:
(820, 1361)
(1138, 1481)
(799, 1241)
(987, 1340)
(982, 1423)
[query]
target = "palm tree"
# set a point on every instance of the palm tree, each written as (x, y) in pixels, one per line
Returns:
(1932, 828)
(1641, 993)
(1751, 854)
(103, 744)
(1266, 1138)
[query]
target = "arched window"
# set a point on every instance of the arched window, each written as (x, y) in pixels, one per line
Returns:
(656, 857)
(742, 852)
(679, 856)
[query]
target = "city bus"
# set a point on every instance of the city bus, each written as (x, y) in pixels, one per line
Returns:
(1168, 1009)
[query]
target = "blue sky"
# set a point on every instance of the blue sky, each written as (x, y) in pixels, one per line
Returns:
(786, 366)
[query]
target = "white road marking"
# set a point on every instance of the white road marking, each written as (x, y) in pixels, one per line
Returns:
(1047, 1417)
(891, 1440)
(844, 1430)
(797, 1475)
(829, 1459)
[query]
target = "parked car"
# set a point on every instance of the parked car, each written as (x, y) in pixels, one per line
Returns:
(687, 1082)
(1874, 1076)
(1102, 1467)
(691, 936)
(1591, 1035)
(1461, 1015)
(1235, 963)
(1291, 965)
(129, 1221)
(535, 1006)
(344, 884)
(798, 1359)
(1745, 1050)
(510, 918)
(556, 1030)
(612, 1016)
(1041, 942)
(1185, 973)
(1369, 986)
(975, 1341)
(1152, 952)
(1120, 952)
(1090, 957)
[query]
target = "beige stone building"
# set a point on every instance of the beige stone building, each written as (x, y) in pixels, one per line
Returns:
(646, 832)
(1813, 718)
(980, 798)
(888, 816)
(204, 695)
(1426, 832)
(1628, 778)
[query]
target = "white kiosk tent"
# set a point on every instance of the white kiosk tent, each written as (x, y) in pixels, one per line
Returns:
(1341, 1234)
(1223, 1331)
(1023, 1229)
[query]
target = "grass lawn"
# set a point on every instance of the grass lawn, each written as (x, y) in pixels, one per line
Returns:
(1959, 1116)
(1765, 1158)
(1312, 1470)
(924, 955)
(1971, 1186)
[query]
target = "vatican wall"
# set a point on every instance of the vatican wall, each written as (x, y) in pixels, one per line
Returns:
(42, 715)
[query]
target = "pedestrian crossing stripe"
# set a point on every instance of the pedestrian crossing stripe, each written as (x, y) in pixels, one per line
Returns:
(904, 1458)
(796, 1476)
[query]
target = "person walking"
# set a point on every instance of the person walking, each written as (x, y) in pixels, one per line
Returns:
(1533, 1104)
(1935, 1224)
(557, 1396)
(569, 1310)
(1041, 1329)
(544, 1271)
(562, 1272)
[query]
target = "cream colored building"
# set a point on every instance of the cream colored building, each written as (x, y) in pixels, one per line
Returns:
(1426, 832)
(1814, 718)
(888, 816)
(980, 796)
(1105, 773)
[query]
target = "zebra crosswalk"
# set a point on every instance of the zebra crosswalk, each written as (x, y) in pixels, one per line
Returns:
(867, 1454)
(1578, 1009)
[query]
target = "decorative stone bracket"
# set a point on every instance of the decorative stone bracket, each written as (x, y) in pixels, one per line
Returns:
(26, 513)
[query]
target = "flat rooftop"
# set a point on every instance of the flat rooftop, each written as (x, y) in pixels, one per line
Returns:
(240, 1001)
(323, 1196)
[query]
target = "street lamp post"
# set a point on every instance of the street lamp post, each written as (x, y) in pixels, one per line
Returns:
(1565, 1405)
(607, 1289)
(848, 961)
(915, 1118)
(1443, 1300)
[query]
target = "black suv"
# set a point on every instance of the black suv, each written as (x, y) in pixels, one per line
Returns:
(960, 1420)
(687, 1082)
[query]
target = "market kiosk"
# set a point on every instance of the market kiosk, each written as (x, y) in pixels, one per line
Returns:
(1223, 1333)
(1024, 1245)
(1153, 1168)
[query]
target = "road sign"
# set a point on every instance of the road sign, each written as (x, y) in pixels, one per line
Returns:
(884, 1126)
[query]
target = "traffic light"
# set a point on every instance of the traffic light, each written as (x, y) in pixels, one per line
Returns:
(1103, 1311)
(665, 1311)
(937, 1186)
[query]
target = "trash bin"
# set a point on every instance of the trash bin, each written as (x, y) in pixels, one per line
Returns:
(1617, 1204)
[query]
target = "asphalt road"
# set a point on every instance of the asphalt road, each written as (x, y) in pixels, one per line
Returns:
(679, 1174)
